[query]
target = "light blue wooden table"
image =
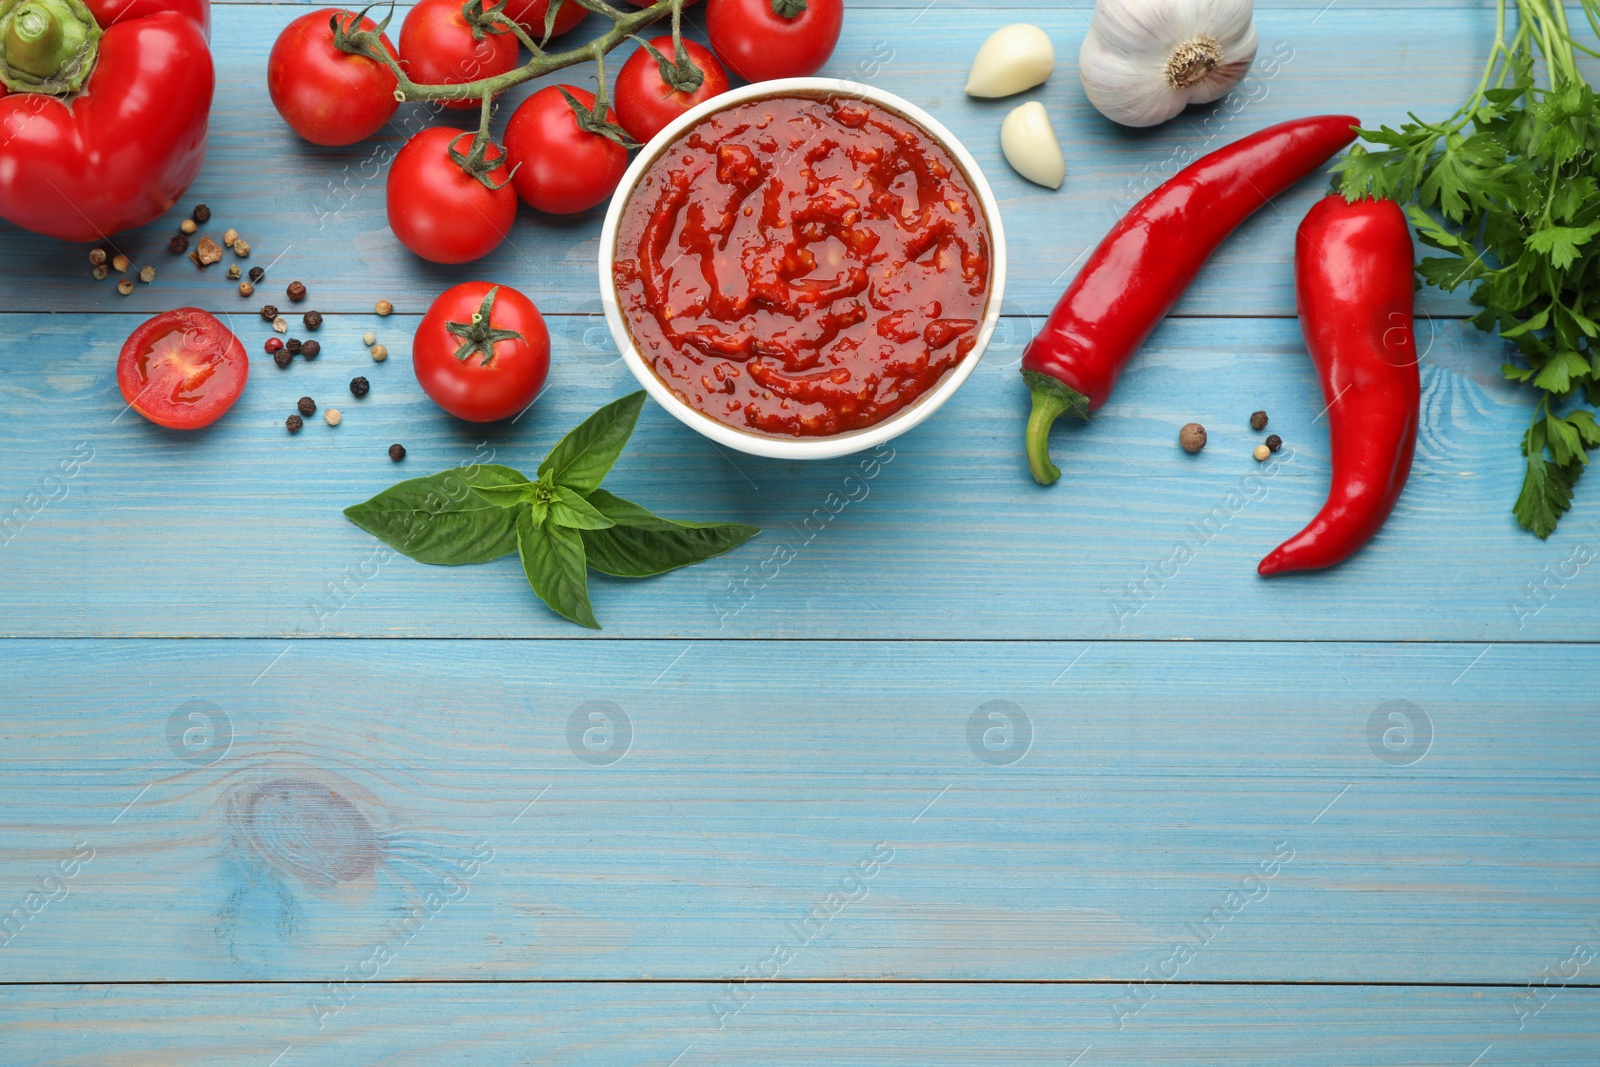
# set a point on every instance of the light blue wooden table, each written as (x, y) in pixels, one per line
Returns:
(979, 776)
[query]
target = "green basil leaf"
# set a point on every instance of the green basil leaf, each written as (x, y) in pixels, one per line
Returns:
(583, 458)
(507, 496)
(439, 519)
(575, 513)
(552, 558)
(642, 544)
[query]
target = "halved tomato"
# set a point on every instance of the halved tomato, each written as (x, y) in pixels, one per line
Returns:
(182, 369)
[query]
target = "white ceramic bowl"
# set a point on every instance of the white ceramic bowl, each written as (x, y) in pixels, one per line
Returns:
(803, 447)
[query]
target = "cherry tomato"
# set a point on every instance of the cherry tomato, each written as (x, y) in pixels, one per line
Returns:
(182, 369)
(529, 14)
(327, 96)
(651, 3)
(563, 169)
(646, 102)
(506, 357)
(764, 39)
(438, 210)
(437, 47)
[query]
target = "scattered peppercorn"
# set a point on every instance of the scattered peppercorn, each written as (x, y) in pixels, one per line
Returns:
(333, 416)
(269, 312)
(293, 423)
(229, 236)
(125, 286)
(147, 274)
(312, 319)
(1258, 420)
(306, 406)
(208, 252)
(246, 289)
(310, 350)
(1261, 453)
(187, 226)
(383, 307)
(97, 256)
(379, 353)
(280, 324)
(273, 344)
(178, 245)
(369, 338)
(292, 346)
(201, 213)
(241, 248)
(257, 273)
(282, 357)
(359, 386)
(119, 263)
(1192, 437)
(397, 452)
(101, 272)
(1274, 442)
(234, 273)
(296, 291)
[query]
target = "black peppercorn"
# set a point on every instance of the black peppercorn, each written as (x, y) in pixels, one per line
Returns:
(296, 291)
(312, 319)
(257, 273)
(292, 346)
(178, 245)
(282, 357)
(293, 423)
(1274, 442)
(310, 350)
(268, 312)
(1258, 421)
(307, 406)
(202, 213)
(397, 452)
(359, 386)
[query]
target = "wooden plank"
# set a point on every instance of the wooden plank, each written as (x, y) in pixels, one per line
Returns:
(237, 531)
(860, 1025)
(860, 799)
(322, 210)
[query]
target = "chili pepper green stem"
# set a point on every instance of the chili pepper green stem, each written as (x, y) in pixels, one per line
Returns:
(1051, 400)
(541, 63)
(47, 46)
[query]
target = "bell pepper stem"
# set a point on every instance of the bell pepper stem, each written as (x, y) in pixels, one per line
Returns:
(1051, 399)
(47, 46)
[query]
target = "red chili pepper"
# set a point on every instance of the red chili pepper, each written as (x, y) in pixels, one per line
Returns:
(1149, 258)
(103, 111)
(1353, 289)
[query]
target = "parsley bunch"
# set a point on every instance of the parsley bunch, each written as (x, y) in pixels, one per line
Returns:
(1515, 176)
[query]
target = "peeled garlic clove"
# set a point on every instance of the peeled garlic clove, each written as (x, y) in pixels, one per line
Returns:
(1014, 58)
(1031, 147)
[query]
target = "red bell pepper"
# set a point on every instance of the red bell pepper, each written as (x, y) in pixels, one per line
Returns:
(103, 111)
(1353, 288)
(1144, 264)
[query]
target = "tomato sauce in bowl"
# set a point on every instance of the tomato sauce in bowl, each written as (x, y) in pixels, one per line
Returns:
(803, 266)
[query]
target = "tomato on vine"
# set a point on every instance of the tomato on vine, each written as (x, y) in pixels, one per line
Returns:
(569, 156)
(446, 42)
(532, 15)
(449, 195)
(652, 90)
(482, 351)
(761, 40)
(325, 94)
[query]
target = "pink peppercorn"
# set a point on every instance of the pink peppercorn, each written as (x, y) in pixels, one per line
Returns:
(274, 344)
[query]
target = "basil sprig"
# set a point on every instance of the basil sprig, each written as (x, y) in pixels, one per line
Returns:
(561, 524)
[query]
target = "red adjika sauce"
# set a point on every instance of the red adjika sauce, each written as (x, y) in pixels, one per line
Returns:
(801, 267)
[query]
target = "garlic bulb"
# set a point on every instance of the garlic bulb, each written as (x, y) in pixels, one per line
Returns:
(1014, 58)
(1030, 145)
(1144, 61)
